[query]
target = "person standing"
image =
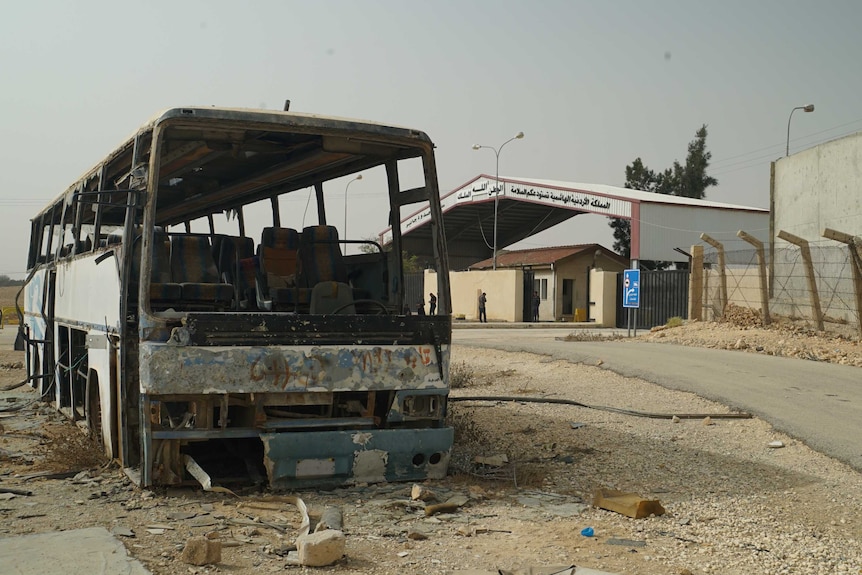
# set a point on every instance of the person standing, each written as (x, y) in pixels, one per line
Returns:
(432, 304)
(536, 303)
(483, 317)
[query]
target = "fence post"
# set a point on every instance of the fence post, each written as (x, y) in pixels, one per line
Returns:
(695, 284)
(761, 261)
(854, 243)
(722, 303)
(805, 250)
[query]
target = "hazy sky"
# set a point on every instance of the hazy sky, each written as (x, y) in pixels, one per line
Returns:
(593, 85)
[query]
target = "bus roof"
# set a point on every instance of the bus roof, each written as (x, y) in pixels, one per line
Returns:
(281, 121)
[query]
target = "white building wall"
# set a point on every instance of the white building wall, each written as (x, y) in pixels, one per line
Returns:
(665, 227)
(503, 289)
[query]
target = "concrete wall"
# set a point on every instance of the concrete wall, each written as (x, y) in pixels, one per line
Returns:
(503, 289)
(819, 188)
(816, 189)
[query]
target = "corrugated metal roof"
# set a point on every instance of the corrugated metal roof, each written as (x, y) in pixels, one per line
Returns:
(542, 256)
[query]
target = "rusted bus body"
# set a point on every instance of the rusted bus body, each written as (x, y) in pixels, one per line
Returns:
(305, 378)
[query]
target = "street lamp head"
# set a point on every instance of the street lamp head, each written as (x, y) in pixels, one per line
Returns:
(808, 108)
(520, 135)
(476, 146)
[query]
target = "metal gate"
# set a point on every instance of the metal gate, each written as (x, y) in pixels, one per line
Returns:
(414, 286)
(529, 276)
(663, 295)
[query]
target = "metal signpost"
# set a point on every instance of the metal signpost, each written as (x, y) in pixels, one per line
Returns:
(632, 296)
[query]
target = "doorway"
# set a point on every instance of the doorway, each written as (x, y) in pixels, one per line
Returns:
(568, 297)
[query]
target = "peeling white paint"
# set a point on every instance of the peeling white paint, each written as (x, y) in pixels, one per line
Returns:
(362, 438)
(370, 466)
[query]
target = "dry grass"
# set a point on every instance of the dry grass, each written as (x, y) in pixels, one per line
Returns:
(7, 295)
(68, 448)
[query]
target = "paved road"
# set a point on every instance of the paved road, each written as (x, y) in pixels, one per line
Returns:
(817, 403)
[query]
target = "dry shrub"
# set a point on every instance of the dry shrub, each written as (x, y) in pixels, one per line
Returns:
(530, 474)
(461, 375)
(67, 448)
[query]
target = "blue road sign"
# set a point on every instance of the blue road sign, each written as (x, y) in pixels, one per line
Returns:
(631, 288)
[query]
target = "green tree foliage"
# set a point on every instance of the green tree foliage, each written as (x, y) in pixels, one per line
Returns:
(689, 181)
(409, 262)
(7, 281)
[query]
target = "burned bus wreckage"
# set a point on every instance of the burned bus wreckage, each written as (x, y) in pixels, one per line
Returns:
(179, 306)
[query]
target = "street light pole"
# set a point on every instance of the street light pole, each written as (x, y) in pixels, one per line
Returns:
(347, 187)
(497, 151)
(808, 108)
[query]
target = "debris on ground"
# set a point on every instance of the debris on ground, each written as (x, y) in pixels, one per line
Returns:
(200, 550)
(628, 504)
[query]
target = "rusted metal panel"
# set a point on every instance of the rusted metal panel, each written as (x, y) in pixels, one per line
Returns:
(297, 460)
(175, 369)
(290, 329)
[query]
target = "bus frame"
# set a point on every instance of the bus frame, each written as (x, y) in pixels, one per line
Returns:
(318, 377)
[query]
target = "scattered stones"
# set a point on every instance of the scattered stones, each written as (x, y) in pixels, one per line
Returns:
(416, 535)
(775, 444)
(321, 548)
(122, 531)
(201, 551)
(422, 493)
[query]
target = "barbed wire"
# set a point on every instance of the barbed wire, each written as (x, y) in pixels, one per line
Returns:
(788, 284)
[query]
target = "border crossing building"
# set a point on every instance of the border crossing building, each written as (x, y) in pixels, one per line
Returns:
(486, 212)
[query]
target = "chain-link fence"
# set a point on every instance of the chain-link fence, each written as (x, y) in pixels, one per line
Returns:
(789, 295)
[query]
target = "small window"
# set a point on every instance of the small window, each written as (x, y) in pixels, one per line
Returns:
(541, 286)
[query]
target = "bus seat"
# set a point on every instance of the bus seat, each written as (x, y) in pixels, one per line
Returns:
(320, 257)
(228, 251)
(163, 291)
(246, 282)
(328, 297)
(282, 238)
(192, 266)
(277, 274)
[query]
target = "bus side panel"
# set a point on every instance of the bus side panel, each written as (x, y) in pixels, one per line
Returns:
(36, 306)
(88, 292)
(100, 356)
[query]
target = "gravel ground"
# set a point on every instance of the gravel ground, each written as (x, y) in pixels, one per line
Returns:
(734, 505)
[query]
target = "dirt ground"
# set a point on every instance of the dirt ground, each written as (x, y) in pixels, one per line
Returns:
(734, 504)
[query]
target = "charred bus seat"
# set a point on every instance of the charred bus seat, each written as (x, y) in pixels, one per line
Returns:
(192, 266)
(164, 292)
(277, 286)
(228, 252)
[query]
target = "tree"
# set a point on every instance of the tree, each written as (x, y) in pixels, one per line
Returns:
(638, 177)
(689, 181)
(409, 262)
